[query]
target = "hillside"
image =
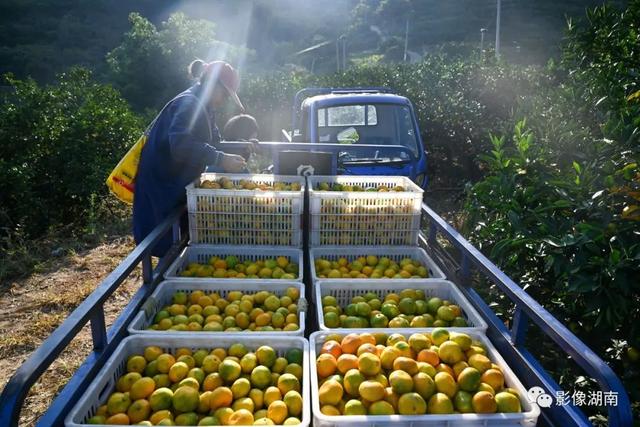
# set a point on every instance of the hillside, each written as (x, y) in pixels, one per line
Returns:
(42, 38)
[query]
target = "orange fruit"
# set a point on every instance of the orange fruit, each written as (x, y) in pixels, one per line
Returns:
(412, 404)
(223, 414)
(346, 362)
(424, 385)
(381, 407)
(277, 411)
(443, 367)
(371, 390)
(440, 403)
(118, 403)
(126, 381)
(405, 349)
(158, 416)
(161, 399)
(221, 397)
(401, 382)
(271, 394)
(406, 364)
(185, 399)
(330, 393)
(220, 263)
(151, 353)
(429, 356)
(367, 348)
(178, 372)
(241, 417)
(369, 364)
(446, 384)
(118, 419)
(469, 379)
(139, 411)
(350, 343)
(494, 378)
(458, 368)
(507, 402)
(352, 380)
(450, 352)
(480, 362)
(293, 400)
(142, 388)
(388, 356)
(391, 397)
(331, 347)
(330, 410)
(326, 365)
(483, 402)
(366, 337)
(136, 363)
(212, 381)
(288, 382)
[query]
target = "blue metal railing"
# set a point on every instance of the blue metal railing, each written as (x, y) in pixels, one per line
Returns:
(510, 342)
(104, 342)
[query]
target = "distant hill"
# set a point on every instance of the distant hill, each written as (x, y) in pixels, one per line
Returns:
(40, 38)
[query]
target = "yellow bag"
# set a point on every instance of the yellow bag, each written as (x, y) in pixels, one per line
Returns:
(121, 181)
(122, 178)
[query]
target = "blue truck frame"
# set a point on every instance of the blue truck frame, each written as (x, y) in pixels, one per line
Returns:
(438, 238)
(509, 341)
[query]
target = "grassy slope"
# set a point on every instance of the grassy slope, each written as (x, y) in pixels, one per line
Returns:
(32, 306)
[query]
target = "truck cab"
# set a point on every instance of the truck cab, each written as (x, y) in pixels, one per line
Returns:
(380, 124)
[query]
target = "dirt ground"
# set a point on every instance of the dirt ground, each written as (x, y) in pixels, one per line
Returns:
(32, 307)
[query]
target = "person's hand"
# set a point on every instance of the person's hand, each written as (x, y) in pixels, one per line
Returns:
(254, 147)
(232, 163)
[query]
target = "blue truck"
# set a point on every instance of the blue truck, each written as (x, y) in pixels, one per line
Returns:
(376, 128)
(355, 131)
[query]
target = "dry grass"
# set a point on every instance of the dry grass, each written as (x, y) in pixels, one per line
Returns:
(33, 306)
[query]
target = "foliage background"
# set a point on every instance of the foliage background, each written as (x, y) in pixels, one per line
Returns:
(548, 152)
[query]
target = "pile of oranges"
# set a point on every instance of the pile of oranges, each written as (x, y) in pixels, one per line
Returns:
(236, 311)
(233, 386)
(439, 373)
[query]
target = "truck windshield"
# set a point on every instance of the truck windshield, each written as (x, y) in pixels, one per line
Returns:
(374, 124)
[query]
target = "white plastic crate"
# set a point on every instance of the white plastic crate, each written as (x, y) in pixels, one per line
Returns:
(528, 416)
(364, 217)
(395, 253)
(202, 253)
(161, 297)
(105, 381)
(344, 290)
(246, 217)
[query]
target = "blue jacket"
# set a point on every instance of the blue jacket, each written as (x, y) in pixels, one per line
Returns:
(178, 148)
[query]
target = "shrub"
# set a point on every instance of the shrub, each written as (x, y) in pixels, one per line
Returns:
(561, 214)
(457, 101)
(59, 143)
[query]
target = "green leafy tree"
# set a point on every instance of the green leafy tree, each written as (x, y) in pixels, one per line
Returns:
(561, 213)
(150, 65)
(59, 144)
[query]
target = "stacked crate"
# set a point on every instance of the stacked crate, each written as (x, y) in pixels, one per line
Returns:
(359, 216)
(252, 226)
(354, 225)
(245, 241)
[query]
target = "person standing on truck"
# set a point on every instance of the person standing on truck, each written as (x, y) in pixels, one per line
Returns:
(242, 127)
(181, 144)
